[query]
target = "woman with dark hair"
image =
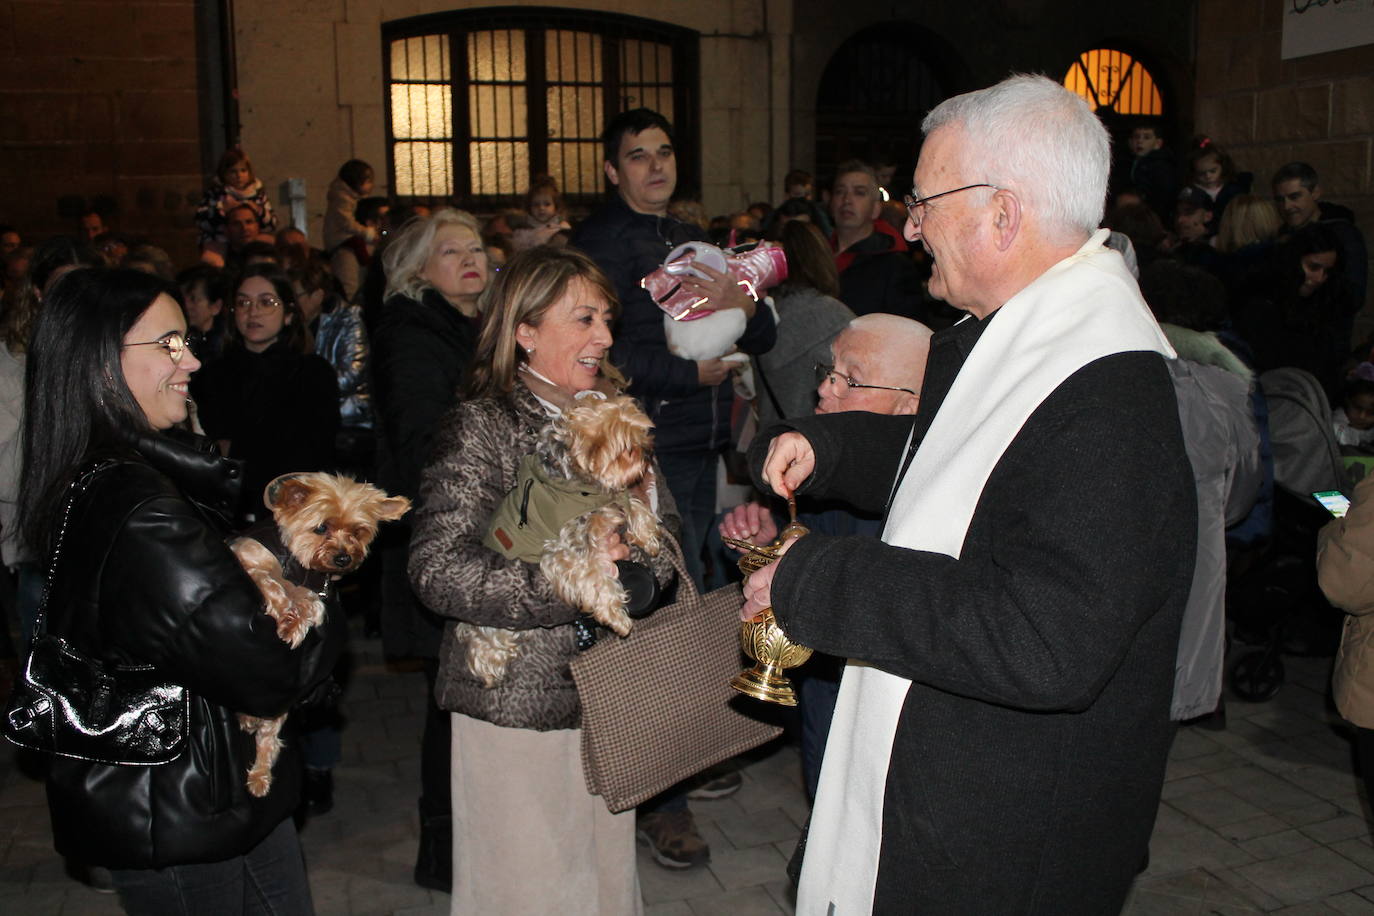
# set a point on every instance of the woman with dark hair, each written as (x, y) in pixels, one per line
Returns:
(1301, 312)
(266, 400)
(146, 579)
(525, 829)
(810, 315)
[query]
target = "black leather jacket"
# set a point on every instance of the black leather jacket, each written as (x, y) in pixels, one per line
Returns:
(144, 576)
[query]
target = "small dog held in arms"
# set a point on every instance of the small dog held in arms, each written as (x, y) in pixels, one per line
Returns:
(575, 491)
(325, 524)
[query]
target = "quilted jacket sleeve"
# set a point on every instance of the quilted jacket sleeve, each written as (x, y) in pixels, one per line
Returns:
(476, 451)
(1345, 555)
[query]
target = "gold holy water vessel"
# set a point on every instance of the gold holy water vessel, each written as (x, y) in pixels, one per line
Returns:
(763, 640)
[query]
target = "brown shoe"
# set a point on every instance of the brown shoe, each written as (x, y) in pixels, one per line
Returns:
(673, 838)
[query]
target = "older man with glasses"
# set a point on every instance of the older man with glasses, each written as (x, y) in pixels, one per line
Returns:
(1002, 728)
(878, 364)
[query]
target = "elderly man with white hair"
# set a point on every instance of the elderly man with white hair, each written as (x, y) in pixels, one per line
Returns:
(1002, 728)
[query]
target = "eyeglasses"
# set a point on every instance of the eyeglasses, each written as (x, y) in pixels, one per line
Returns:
(175, 345)
(914, 204)
(267, 303)
(826, 373)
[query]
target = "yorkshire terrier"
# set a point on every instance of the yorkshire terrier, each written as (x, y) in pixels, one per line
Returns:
(324, 527)
(594, 454)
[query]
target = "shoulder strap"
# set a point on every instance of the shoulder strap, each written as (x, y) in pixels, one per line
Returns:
(79, 485)
(773, 398)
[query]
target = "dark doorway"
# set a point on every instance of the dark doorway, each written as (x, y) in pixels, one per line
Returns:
(873, 94)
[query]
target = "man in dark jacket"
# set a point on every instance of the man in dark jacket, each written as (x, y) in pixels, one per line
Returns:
(1299, 197)
(1002, 728)
(689, 401)
(876, 275)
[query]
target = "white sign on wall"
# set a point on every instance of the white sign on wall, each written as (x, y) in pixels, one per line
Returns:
(1314, 26)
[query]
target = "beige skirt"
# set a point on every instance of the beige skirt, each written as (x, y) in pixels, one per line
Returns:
(527, 837)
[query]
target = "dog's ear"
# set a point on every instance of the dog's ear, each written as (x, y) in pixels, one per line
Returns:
(392, 508)
(285, 492)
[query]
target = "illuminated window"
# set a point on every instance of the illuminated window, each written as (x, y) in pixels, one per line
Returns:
(1114, 80)
(480, 103)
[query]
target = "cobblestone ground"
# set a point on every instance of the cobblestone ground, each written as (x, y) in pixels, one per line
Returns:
(1265, 816)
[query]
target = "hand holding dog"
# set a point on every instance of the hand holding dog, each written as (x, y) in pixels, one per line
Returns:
(721, 290)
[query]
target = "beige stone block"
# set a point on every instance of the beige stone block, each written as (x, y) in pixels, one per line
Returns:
(291, 10)
(1294, 113)
(55, 117)
(368, 126)
(1345, 62)
(280, 58)
(1227, 17)
(358, 52)
(1342, 165)
(1352, 106)
(718, 147)
(746, 16)
(158, 158)
(1229, 119)
(71, 29)
(165, 30)
(363, 12)
(158, 115)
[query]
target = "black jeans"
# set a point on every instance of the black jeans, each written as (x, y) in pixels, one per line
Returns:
(269, 880)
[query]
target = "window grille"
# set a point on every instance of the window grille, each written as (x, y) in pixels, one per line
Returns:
(480, 103)
(1114, 80)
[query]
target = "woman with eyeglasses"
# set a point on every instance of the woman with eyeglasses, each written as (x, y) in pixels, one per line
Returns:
(267, 401)
(144, 578)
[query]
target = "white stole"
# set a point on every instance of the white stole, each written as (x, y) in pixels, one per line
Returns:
(1083, 308)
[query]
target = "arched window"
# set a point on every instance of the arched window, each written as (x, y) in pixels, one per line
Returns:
(480, 102)
(1116, 81)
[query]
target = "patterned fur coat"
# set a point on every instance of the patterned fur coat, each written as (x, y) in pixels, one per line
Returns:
(475, 461)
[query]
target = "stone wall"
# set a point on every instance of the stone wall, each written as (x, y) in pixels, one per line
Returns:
(311, 95)
(1267, 111)
(98, 105)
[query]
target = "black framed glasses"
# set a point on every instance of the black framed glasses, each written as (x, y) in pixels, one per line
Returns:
(826, 373)
(915, 205)
(175, 345)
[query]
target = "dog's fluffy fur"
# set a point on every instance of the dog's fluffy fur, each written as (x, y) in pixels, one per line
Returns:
(708, 337)
(603, 443)
(327, 522)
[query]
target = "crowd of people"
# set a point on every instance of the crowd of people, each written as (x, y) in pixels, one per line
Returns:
(967, 605)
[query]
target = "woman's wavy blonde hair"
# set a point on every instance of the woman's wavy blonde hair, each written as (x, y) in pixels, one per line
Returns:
(407, 252)
(527, 286)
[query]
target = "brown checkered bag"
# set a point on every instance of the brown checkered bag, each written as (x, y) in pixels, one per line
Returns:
(657, 706)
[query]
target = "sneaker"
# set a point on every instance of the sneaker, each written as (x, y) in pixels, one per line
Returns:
(717, 782)
(673, 839)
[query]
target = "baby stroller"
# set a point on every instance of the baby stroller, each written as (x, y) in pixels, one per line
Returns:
(1276, 603)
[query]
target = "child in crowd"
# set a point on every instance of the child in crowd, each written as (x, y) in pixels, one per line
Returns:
(233, 187)
(1213, 172)
(355, 254)
(547, 215)
(353, 183)
(1153, 171)
(1354, 419)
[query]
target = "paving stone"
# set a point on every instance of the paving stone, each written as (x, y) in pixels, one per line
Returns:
(659, 885)
(1318, 812)
(784, 895)
(671, 908)
(1356, 850)
(1263, 788)
(1202, 849)
(1215, 807)
(739, 868)
(750, 901)
(1149, 903)
(1306, 876)
(1195, 884)
(758, 827)
(1351, 904)
(1278, 844)
(1344, 827)
(1264, 825)
(1179, 787)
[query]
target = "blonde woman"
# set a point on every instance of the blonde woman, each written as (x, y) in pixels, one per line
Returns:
(423, 339)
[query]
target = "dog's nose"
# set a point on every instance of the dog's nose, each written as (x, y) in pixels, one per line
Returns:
(342, 560)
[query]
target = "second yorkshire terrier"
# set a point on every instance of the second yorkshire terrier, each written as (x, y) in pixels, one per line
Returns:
(575, 491)
(324, 527)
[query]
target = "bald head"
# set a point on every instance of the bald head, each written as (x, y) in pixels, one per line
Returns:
(878, 349)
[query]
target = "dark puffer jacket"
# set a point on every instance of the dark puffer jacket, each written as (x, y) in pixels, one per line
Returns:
(145, 578)
(477, 455)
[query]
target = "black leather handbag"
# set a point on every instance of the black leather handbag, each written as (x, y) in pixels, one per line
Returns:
(69, 704)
